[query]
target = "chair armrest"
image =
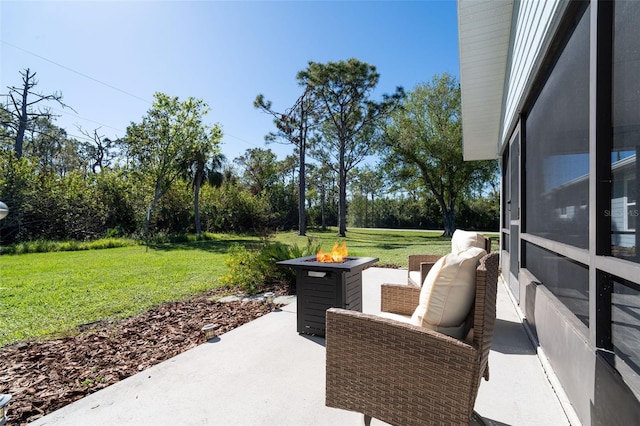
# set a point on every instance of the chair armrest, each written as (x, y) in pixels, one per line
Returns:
(399, 298)
(396, 372)
(425, 267)
(416, 259)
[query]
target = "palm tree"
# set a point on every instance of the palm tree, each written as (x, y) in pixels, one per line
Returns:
(203, 165)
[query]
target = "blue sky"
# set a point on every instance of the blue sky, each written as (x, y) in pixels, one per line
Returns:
(109, 58)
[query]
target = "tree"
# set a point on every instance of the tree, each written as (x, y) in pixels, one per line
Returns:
(21, 105)
(47, 140)
(349, 118)
(425, 138)
(322, 179)
(158, 146)
(100, 153)
(202, 165)
(7, 133)
(287, 170)
(52, 149)
(369, 181)
(260, 169)
(293, 126)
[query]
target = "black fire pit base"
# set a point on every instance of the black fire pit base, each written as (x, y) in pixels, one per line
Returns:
(320, 286)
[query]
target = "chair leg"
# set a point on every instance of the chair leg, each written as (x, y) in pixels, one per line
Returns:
(486, 373)
(476, 419)
(367, 420)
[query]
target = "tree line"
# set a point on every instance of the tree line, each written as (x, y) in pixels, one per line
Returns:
(167, 174)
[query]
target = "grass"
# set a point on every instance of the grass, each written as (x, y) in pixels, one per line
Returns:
(392, 247)
(50, 294)
(45, 246)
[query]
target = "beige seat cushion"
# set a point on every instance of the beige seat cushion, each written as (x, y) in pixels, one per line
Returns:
(462, 240)
(396, 317)
(457, 332)
(448, 293)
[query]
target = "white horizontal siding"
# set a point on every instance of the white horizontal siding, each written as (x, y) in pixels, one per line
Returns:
(532, 24)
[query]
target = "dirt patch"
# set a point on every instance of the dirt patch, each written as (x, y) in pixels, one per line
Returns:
(43, 376)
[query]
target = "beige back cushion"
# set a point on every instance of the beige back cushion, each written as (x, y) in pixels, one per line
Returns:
(448, 292)
(462, 240)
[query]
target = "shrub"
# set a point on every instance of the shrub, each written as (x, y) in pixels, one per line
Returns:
(254, 269)
(243, 269)
(233, 208)
(45, 246)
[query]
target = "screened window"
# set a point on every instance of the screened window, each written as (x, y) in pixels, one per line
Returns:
(557, 147)
(506, 200)
(566, 279)
(514, 187)
(625, 317)
(624, 208)
(506, 190)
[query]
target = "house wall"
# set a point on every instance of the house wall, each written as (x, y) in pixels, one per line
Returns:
(573, 318)
(621, 213)
(534, 21)
(563, 343)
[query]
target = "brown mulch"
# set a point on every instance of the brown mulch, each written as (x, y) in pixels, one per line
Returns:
(387, 265)
(43, 376)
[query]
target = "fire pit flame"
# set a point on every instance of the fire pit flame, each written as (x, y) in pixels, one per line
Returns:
(336, 255)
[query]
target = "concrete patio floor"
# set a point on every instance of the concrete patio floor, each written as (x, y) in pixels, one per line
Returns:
(265, 373)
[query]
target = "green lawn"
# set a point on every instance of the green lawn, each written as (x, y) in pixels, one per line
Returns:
(391, 247)
(47, 294)
(50, 294)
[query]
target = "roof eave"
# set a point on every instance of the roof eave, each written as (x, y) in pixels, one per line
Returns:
(484, 31)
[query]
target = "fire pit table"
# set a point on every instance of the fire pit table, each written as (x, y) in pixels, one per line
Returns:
(324, 285)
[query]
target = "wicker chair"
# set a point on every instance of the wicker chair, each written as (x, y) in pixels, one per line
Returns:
(420, 265)
(405, 374)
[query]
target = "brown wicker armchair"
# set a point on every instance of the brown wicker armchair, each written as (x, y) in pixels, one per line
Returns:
(420, 265)
(404, 374)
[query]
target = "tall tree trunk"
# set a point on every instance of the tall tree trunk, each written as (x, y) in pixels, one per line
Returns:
(150, 210)
(449, 223)
(301, 193)
(448, 216)
(342, 198)
(366, 210)
(373, 212)
(22, 124)
(323, 194)
(196, 204)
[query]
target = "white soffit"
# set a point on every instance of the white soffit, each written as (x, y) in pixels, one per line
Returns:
(484, 28)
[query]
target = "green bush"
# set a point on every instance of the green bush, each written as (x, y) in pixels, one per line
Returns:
(46, 246)
(254, 270)
(243, 269)
(120, 197)
(232, 208)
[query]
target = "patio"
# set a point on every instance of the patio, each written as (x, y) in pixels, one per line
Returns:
(265, 373)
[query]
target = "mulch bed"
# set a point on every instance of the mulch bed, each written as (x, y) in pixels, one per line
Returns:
(43, 376)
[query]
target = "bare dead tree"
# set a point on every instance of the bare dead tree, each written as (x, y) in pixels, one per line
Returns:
(22, 106)
(99, 152)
